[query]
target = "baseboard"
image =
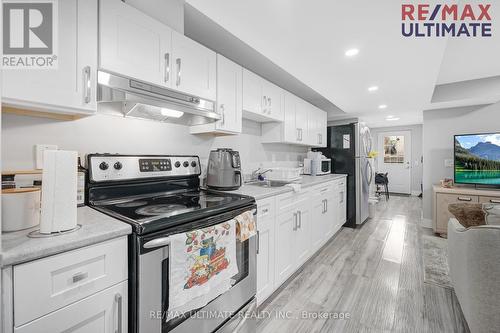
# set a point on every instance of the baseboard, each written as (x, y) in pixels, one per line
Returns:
(415, 193)
(426, 223)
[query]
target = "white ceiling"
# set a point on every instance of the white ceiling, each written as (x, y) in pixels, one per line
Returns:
(309, 38)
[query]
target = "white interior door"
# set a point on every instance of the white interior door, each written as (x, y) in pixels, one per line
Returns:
(395, 159)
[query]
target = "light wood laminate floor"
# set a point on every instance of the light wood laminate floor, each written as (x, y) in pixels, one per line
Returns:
(375, 275)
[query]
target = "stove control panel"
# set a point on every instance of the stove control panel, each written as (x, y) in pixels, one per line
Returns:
(108, 167)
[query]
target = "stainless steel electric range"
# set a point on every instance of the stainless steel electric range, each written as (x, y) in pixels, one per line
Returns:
(160, 196)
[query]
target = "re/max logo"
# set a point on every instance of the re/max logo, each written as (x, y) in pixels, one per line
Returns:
(467, 20)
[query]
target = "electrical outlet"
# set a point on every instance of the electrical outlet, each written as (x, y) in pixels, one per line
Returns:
(448, 163)
(39, 149)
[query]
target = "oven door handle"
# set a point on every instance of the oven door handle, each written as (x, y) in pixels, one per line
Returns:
(158, 242)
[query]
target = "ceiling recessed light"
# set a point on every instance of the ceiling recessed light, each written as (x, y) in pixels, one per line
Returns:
(372, 88)
(391, 118)
(382, 106)
(351, 52)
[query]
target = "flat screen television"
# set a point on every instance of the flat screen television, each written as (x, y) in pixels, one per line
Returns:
(477, 159)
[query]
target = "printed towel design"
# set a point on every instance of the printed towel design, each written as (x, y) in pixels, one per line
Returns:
(245, 226)
(202, 263)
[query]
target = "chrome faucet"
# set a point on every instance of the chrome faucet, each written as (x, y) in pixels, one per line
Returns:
(259, 172)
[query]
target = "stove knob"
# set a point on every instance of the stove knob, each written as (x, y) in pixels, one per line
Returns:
(177, 164)
(103, 166)
(186, 164)
(118, 166)
(193, 164)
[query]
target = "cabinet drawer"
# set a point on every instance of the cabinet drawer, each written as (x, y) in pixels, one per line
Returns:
(99, 313)
(442, 213)
(48, 284)
(494, 200)
(288, 201)
(266, 208)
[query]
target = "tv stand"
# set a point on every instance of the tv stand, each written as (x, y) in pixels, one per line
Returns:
(442, 197)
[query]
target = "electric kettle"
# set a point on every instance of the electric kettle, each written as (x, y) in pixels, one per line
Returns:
(224, 170)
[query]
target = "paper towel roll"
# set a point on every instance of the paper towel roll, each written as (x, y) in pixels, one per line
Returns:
(59, 186)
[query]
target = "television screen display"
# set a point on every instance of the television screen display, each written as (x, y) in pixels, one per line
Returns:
(477, 159)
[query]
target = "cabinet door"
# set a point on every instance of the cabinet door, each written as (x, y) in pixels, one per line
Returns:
(303, 233)
(229, 95)
(317, 222)
(342, 203)
(291, 132)
(134, 44)
(322, 127)
(331, 214)
(104, 312)
(442, 213)
(70, 88)
(252, 92)
(286, 224)
(194, 67)
(265, 257)
(272, 101)
(301, 121)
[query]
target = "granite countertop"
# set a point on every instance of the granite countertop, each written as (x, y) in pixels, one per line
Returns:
(17, 247)
(259, 192)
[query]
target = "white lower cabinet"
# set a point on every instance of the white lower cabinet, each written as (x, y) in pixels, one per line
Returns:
(104, 312)
(83, 290)
(285, 240)
(265, 253)
(292, 227)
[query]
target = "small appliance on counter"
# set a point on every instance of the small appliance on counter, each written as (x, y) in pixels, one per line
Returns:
(20, 208)
(316, 164)
(224, 170)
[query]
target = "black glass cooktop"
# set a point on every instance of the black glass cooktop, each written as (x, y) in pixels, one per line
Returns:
(165, 209)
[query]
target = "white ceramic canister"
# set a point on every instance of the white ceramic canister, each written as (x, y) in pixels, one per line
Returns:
(20, 208)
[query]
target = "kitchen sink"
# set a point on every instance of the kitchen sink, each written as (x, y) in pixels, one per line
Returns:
(267, 183)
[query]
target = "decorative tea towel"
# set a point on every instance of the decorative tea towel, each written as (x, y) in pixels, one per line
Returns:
(202, 263)
(245, 226)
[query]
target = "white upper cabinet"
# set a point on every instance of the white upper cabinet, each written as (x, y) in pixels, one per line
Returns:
(229, 100)
(262, 100)
(304, 124)
(194, 67)
(317, 124)
(136, 45)
(69, 88)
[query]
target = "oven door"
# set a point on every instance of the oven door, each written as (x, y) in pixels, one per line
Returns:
(152, 291)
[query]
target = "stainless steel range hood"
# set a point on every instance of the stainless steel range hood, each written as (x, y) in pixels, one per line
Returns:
(139, 99)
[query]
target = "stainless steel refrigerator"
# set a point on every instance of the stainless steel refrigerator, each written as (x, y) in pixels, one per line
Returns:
(348, 147)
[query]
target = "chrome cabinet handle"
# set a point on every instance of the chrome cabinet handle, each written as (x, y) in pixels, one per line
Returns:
(223, 114)
(269, 100)
(88, 84)
(167, 67)
(294, 221)
(178, 81)
(298, 134)
(494, 201)
(464, 199)
(300, 219)
(119, 304)
(326, 205)
(258, 241)
(264, 109)
(79, 276)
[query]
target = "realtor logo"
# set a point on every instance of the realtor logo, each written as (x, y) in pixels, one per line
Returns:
(29, 31)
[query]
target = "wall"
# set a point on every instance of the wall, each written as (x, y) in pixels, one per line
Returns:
(112, 134)
(438, 130)
(416, 151)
